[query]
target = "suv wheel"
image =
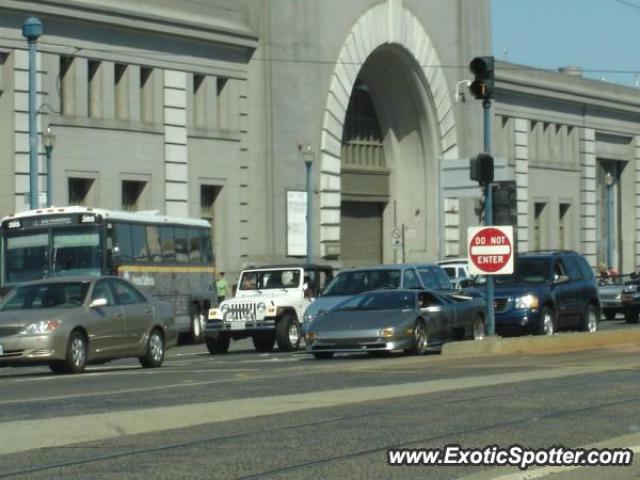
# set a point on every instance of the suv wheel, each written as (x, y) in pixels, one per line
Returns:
(630, 315)
(547, 322)
(590, 320)
(217, 343)
(288, 333)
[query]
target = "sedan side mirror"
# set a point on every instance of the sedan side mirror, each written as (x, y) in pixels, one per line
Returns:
(99, 302)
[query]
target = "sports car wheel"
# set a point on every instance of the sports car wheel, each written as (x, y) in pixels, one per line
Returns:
(323, 355)
(478, 328)
(154, 352)
(420, 340)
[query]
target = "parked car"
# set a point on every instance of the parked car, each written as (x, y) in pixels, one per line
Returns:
(390, 320)
(630, 298)
(268, 307)
(364, 279)
(548, 291)
(69, 322)
(610, 291)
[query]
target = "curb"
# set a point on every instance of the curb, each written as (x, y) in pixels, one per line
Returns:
(564, 342)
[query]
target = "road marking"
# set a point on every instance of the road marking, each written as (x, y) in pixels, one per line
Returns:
(19, 436)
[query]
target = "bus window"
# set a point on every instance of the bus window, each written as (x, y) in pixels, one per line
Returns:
(166, 240)
(180, 244)
(207, 252)
(76, 251)
(195, 251)
(139, 243)
(153, 242)
(123, 241)
(26, 257)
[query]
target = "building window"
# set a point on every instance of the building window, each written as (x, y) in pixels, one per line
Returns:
(94, 90)
(132, 194)
(539, 226)
(66, 87)
(224, 110)
(146, 95)
(3, 59)
(563, 225)
(80, 190)
(208, 195)
(199, 110)
(121, 91)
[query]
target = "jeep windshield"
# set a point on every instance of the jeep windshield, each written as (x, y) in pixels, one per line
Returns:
(352, 283)
(269, 279)
(526, 270)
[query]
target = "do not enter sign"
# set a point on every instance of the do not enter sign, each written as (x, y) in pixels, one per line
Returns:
(490, 250)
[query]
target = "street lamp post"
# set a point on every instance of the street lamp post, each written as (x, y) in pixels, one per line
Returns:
(308, 157)
(31, 30)
(609, 183)
(49, 141)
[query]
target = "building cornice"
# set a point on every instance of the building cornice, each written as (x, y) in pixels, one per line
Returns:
(229, 30)
(528, 81)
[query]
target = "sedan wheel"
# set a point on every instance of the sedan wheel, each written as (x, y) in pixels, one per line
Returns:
(76, 356)
(154, 354)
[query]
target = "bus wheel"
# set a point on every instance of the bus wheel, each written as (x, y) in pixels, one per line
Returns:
(198, 321)
(217, 344)
(288, 333)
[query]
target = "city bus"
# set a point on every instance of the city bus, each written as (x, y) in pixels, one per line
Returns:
(172, 258)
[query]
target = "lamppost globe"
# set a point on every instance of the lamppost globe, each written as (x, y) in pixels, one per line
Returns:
(48, 139)
(608, 179)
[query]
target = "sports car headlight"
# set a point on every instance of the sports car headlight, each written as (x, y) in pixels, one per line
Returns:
(40, 328)
(261, 307)
(527, 301)
(387, 332)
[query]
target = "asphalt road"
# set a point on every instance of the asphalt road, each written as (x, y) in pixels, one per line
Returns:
(286, 415)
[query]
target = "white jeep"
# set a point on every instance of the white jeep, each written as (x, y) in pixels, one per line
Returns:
(268, 307)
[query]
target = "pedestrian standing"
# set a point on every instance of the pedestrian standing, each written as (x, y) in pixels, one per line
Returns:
(222, 287)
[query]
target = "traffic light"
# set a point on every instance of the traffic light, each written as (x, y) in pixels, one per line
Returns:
(483, 70)
(481, 168)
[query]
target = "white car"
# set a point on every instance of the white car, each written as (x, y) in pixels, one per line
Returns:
(268, 307)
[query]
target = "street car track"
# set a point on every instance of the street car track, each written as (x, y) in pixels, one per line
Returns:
(385, 411)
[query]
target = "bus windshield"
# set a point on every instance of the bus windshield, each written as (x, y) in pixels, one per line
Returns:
(63, 252)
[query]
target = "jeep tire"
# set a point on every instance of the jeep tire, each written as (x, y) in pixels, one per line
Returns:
(217, 343)
(288, 333)
(263, 342)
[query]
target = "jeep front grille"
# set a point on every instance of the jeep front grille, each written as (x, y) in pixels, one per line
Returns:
(238, 311)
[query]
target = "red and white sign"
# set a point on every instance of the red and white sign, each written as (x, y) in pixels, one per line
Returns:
(490, 250)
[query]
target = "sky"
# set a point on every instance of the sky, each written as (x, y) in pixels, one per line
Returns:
(601, 36)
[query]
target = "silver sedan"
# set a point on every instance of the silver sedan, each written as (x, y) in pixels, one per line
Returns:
(68, 322)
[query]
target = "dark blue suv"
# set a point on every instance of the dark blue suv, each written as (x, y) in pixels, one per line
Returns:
(548, 291)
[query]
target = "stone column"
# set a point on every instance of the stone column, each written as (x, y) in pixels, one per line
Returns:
(588, 194)
(521, 144)
(175, 143)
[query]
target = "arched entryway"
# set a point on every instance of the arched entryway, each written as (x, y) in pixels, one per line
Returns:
(388, 124)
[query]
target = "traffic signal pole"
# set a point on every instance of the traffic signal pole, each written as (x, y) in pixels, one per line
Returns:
(488, 216)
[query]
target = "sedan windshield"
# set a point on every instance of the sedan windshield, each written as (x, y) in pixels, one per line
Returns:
(380, 301)
(47, 295)
(352, 283)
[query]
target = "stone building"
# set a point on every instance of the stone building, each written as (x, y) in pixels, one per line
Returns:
(204, 108)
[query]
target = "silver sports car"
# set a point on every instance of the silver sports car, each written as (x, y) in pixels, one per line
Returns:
(69, 322)
(390, 320)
